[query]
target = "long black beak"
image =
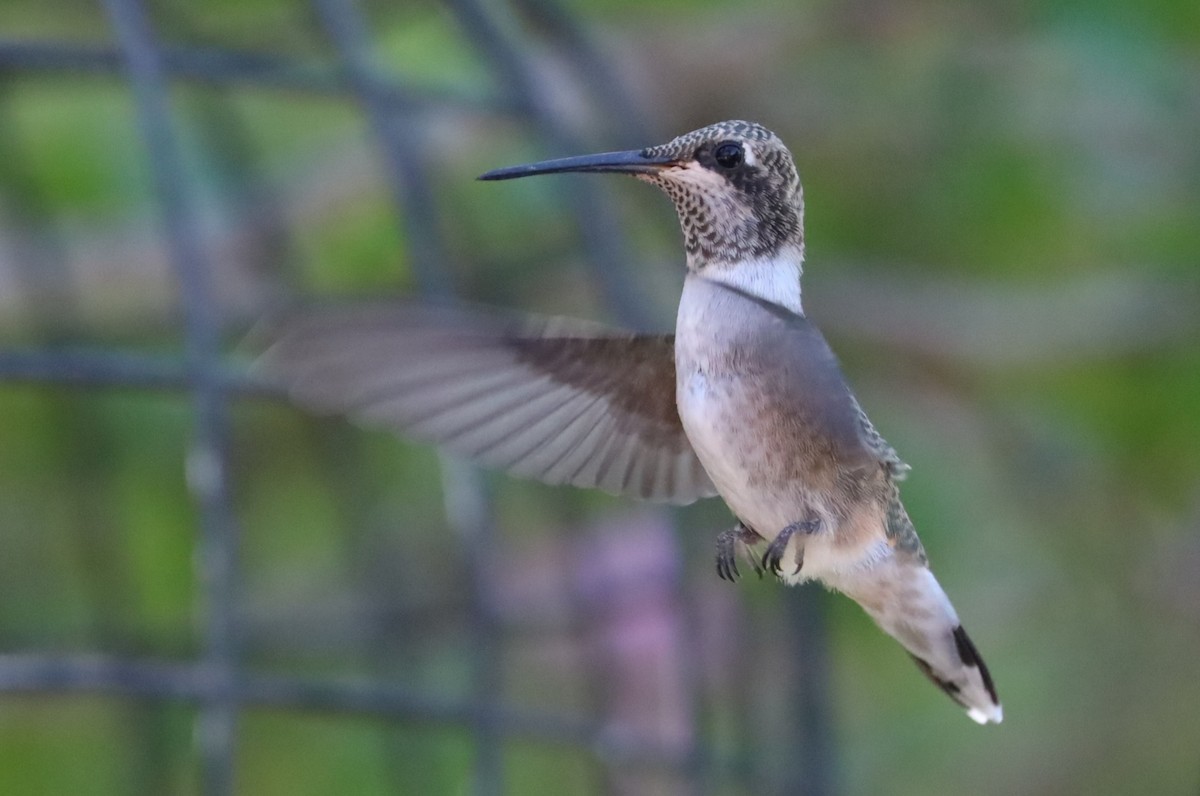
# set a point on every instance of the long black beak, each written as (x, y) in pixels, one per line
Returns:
(633, 161)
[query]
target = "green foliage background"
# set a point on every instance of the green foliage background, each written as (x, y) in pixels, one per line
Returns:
(1003, 246)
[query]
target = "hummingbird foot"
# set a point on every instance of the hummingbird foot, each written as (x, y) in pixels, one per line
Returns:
(727, 543)
(772, 559)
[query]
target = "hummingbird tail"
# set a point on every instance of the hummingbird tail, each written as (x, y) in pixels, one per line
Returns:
(907, 602)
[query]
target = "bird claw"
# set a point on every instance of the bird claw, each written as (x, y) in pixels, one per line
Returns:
(727, 542)
(772, 558)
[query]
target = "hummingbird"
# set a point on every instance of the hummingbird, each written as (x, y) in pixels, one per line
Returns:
(746, 401)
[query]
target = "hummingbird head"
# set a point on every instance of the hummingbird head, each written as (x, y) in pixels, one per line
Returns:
(734, 186)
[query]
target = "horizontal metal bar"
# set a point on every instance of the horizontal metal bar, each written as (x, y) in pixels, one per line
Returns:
(193, 682)
(226, 67)
(88, 368)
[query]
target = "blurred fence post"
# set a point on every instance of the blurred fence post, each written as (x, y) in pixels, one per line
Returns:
(218, 683)
(207, 460)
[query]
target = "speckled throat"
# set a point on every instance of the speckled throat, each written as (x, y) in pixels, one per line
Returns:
(728, 215)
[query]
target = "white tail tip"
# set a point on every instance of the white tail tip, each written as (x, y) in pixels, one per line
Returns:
(993, 715)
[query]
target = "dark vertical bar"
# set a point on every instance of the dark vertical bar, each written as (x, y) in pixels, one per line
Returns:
(468, 511)
(603, 239)
(207, 476)
(813, 769)
(402, 137)
(40, 264)
(592, 69)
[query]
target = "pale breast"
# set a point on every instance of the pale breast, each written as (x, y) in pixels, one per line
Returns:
(775, 456)
(759, 458)
(720, 424)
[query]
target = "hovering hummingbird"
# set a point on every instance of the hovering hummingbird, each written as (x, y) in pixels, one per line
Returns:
(745, 400)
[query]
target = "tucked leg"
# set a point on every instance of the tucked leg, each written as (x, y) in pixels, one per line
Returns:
(772, 559)
(727, 543)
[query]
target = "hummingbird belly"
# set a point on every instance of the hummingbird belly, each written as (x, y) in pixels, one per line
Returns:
(765, 437)
(773, 474)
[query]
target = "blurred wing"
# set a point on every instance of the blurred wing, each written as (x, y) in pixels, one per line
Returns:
(558, 400)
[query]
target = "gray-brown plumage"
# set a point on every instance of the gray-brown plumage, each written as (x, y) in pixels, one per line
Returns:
(746, 400)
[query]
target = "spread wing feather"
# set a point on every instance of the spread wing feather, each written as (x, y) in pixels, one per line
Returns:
(552, 399)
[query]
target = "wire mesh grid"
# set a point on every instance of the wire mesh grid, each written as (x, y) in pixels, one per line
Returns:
(217, 682)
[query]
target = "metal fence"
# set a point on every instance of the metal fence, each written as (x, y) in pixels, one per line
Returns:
(217, 682)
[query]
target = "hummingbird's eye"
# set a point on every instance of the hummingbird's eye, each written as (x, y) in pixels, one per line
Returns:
(729, 154)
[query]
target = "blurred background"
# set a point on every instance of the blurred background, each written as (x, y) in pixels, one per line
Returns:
(203, 590)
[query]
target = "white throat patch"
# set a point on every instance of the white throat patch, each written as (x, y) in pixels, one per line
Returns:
(774, 279)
